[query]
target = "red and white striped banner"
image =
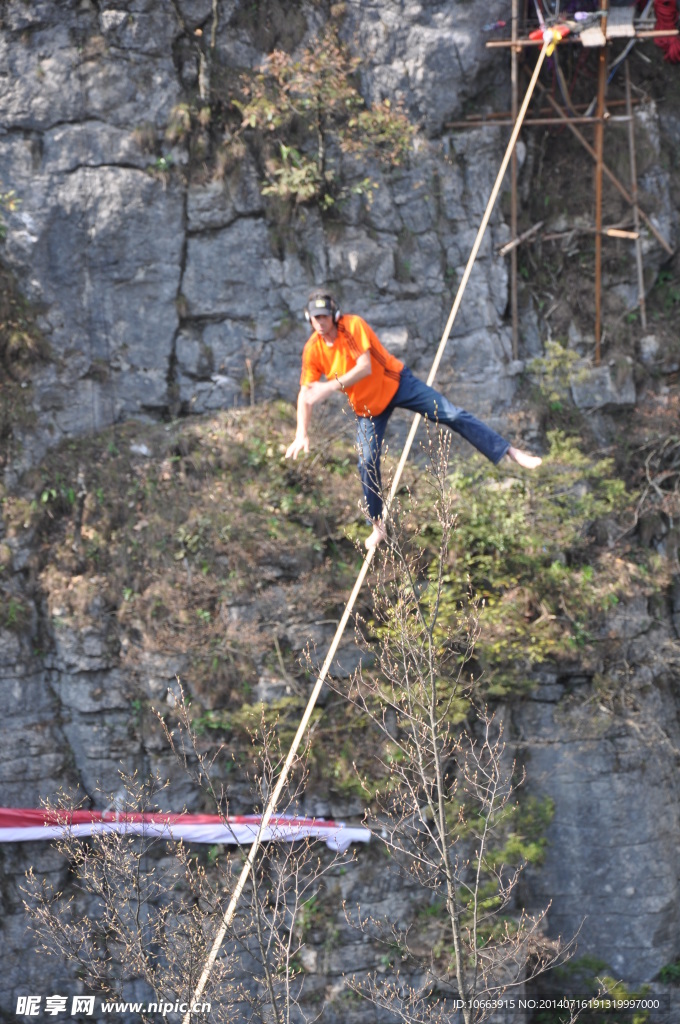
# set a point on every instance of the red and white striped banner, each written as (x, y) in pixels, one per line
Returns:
(18, 825)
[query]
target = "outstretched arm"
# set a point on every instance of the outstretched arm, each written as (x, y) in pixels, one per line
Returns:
(304, 416)
(319, 391)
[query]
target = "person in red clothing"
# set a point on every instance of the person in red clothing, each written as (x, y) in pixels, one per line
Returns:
(347, 352)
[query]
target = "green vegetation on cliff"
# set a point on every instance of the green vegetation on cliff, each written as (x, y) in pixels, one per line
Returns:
(198, 538)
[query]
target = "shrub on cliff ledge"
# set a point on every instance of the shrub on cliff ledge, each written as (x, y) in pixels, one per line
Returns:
(307, 110)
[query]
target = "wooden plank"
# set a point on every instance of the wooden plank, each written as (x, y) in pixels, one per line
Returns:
(593, 36)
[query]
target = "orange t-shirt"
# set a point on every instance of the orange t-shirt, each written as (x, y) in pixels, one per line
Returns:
(370, 396)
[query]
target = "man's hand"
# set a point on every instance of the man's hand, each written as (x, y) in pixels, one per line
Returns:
(300, 444)
(319, 391)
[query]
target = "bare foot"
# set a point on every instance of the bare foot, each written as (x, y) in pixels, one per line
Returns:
(524, 459)
(378, 535)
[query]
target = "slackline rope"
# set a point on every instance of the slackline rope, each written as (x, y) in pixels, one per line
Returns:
(549, 41)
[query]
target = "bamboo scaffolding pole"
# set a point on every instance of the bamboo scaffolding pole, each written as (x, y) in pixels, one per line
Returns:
(517, 240)
(542, 121)
(496, 115)
(556, 236)
(599, 162)
(497, 44)
(607, 172)
(642, 301)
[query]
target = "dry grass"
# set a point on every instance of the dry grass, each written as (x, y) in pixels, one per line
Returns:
(174, 547)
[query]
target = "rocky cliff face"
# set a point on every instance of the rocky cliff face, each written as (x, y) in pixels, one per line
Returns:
(156, 287)
(163, 290)
(605, 753)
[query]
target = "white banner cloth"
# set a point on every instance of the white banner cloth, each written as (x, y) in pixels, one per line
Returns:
(19, 825)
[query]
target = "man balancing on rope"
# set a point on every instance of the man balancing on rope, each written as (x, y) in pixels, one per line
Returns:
(345, 351)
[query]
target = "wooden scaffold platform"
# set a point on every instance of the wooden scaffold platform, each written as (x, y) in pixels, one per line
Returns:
(601, 29)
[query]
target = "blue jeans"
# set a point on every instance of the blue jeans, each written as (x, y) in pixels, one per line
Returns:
(419, 397)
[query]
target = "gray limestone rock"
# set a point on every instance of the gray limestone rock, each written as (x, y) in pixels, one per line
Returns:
(610, 868)
(232, 272)
(432, 55)
(603, 385)
(140, 28)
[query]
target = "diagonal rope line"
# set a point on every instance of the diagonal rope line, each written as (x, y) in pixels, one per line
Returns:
(228, 917)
